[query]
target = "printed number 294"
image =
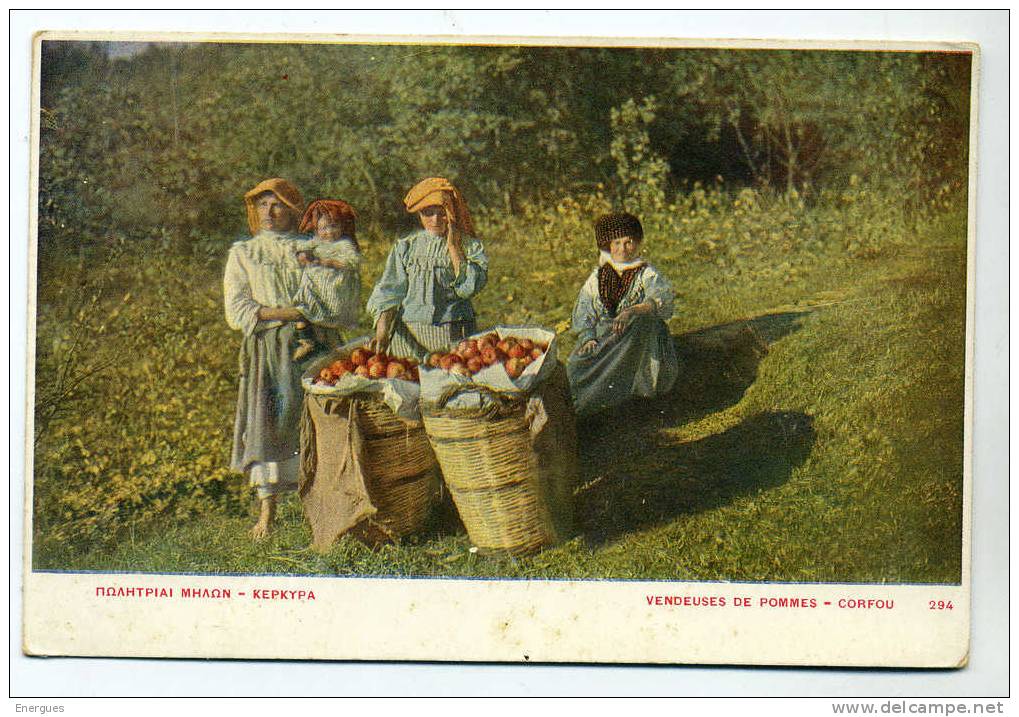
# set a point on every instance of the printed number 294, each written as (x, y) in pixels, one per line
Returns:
(940, 604)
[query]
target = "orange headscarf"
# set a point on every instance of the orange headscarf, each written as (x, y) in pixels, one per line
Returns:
(436, 191)
(284, 190)
(337, 210)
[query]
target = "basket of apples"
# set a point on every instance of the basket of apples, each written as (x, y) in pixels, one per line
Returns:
(380, 393)
(508, 359)
(364, 363)
(473, 404)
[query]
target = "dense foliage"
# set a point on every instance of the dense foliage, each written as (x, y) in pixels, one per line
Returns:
(764, 179)
(163, 144)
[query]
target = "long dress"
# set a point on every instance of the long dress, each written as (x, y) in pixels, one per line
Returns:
(434, 307)
(264, 271)
(640, 362)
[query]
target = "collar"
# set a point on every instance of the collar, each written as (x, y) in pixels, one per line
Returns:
(605, 258)
(268, 235)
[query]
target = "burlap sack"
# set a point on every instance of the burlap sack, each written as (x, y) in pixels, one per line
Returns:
(554, 441)
(333, 486)
(364, 471)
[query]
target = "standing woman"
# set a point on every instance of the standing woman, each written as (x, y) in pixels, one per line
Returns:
(422, 302)
(266, 292)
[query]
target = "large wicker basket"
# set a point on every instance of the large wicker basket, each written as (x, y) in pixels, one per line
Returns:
(492, 471)
(399, 466)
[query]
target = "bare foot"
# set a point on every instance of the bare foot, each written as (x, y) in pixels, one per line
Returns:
(267, 512)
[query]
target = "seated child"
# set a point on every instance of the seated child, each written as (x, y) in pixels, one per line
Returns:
(624, 348)
(334, 246)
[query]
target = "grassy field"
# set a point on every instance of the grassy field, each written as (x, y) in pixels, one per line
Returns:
(816, 433)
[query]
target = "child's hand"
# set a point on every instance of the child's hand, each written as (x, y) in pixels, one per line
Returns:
(588, 347)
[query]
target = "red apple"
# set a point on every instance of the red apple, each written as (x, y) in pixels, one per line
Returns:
(377, 369)
(360, 357)
(526, 360)
(412, 374)
(517, 351)
(475, 364)
(434, 359)
(326, 375)
(527, 344)
(514, 367)
(470, 353)
(340, 367)
(361, 371)
(459, 369)
(505, 344)
(449, 360)
(489, 355)
(396, 370)
(536, 353)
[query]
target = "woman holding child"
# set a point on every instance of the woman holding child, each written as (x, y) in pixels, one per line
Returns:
(270, 291)
(623, 345)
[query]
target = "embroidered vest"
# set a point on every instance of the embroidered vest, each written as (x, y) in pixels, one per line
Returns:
(612, 287)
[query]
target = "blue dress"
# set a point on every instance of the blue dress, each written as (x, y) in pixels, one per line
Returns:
(433, 303)
(640, 362)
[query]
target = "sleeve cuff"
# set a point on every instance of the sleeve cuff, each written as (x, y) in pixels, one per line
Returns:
(463, 285)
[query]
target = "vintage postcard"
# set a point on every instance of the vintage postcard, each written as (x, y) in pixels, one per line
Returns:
(391, 348)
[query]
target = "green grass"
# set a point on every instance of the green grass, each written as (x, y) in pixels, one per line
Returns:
(816, 434)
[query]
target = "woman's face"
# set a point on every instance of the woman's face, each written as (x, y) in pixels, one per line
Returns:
(273, 214)
(624, 249)
(328, 229)
(434, 220)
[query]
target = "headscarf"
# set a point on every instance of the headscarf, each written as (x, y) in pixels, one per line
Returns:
(284, 191)
(337, 210)
(437, 191)
(613, 226)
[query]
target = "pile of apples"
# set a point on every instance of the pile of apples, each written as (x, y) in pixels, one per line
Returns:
(366, 363)
(472, 355)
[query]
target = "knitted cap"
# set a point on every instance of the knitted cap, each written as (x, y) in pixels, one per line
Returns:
(615, 225)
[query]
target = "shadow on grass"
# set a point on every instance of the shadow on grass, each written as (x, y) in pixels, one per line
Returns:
(665, 481)
(716, 367)
(637, 479)
(718, 364)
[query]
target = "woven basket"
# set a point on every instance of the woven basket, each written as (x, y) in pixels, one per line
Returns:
(399, 467)
(492, 472)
